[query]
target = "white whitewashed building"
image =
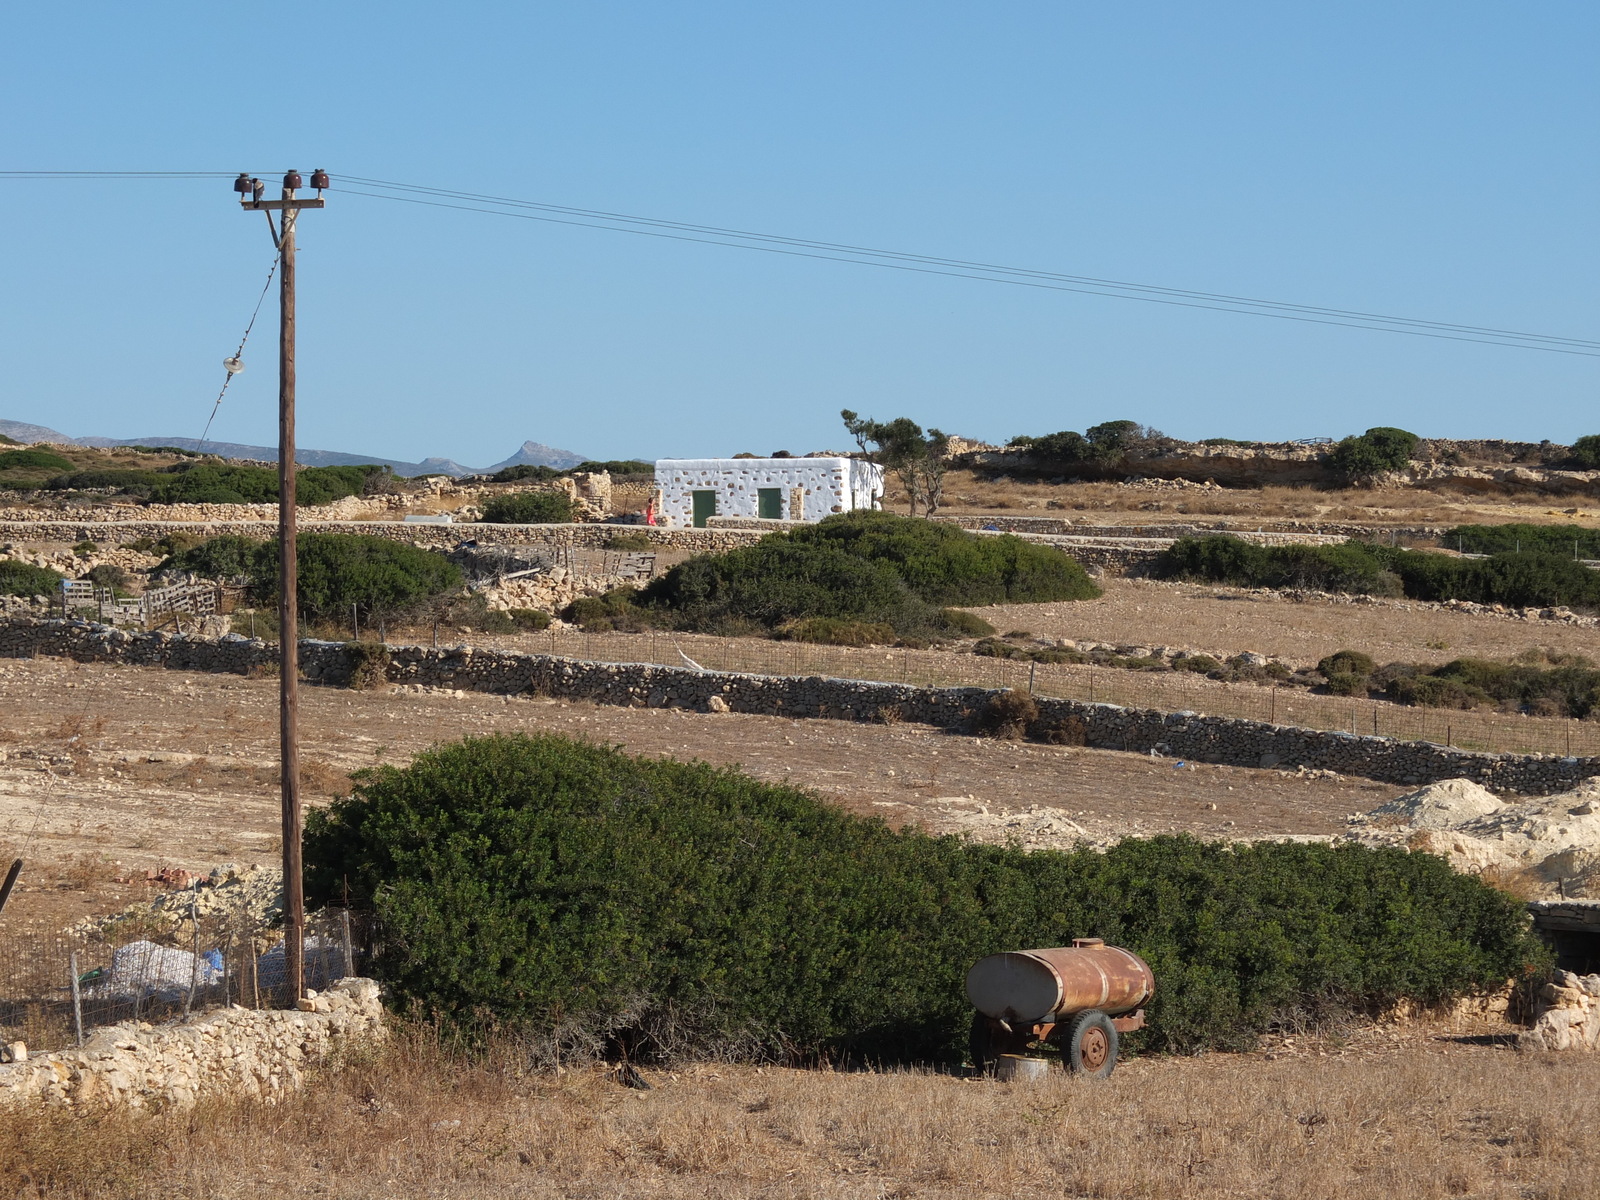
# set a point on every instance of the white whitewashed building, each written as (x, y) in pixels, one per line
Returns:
(793, 489)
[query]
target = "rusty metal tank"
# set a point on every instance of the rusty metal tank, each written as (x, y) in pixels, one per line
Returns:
(1030, 986)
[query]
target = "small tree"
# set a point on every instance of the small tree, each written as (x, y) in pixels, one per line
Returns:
(1379, 449)
(1586, 452)
(918, 458)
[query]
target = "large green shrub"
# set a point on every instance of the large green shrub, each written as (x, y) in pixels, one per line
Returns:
(378, 576)
(225, 557)
(529, 508)
(234, 483)
(1563, 541)
(537, 881)
(1586, 452)
(1383, 448)
(132, 481)
(33, 460)
(1524, 579)
(1106, 443)
(866, 566)
(25, 579)
(215, 483)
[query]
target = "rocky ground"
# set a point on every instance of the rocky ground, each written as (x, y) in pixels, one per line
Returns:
(1224, 621)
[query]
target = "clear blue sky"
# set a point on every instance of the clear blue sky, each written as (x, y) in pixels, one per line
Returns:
(1429, 159)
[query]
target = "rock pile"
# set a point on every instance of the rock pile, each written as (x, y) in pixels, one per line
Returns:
(250, 895)
(230, 1052)
(1568, 1015)
(1551, 842)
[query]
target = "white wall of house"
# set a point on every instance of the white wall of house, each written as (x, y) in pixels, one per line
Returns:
(809, 488)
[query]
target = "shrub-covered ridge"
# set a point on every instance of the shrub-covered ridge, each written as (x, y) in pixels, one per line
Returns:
(1529, 578)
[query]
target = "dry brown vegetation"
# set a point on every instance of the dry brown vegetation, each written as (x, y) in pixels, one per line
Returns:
(1119, 503)
(1402, 1112)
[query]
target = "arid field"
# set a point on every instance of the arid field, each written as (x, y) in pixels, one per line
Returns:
(1420, 1110)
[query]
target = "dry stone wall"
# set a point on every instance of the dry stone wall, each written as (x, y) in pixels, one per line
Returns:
(434, 537)
(1188, 735)
(229, 1052)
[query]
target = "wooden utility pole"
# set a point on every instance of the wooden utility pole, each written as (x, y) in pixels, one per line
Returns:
(294, 906)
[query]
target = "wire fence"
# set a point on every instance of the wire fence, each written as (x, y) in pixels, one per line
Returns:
(56, 989)
(1510, 733)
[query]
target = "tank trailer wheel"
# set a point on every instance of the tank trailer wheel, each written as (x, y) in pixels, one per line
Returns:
(1089, 1044)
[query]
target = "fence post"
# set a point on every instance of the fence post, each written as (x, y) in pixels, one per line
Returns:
(77, 997)
(255, 977)
(194, 962)
(349, 954)
(1033, 668)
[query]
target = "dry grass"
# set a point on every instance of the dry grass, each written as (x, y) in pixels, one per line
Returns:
(1429, 1119)
(1119, 503)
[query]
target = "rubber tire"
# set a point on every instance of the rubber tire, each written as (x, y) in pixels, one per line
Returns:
(1094, 1026)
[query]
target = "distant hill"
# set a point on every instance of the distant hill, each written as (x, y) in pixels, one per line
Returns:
(536, 454)
(531, 452)
(23, 432)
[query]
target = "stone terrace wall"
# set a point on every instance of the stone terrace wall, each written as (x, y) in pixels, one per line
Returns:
(434, 537)
(1107, 726)
(228, 1052)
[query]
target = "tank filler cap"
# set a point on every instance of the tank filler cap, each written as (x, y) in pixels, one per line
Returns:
(1080, 943)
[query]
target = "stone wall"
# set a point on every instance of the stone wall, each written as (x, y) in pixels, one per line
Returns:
(1188, 735)
(433, 537)
(228, 1052)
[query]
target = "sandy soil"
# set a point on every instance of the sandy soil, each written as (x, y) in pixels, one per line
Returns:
(1231, 620)
(114, 770)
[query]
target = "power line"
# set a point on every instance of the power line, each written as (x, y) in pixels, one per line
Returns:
(965, 264)
(504, 206)
(1375, 323)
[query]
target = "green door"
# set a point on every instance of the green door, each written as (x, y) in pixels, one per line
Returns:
(705, 505)
(769, 503)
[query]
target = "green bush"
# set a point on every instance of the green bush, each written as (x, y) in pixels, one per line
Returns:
(537, 881)
(1525, 579)
(956, 623)
(1375, 451)
(225, 557)
(368, 664)
(838, 631)
(1563, 541)
(1570, 689)
(1347, 662)
(528, 620)
(33, 460)
(133, 482)
(1105, 444)
(375, 575)
(1586, 452)
(378, 576)
(618, 609)
(324, 485)
(529, 508)
(634, 540)
(869, 566)
(215, 483)
(108, 575)
(233, 483)
(25, 579)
